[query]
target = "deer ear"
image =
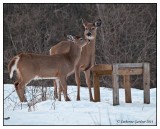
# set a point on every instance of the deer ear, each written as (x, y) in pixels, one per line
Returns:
(84, 22)
(98, 23)
(70, 38)
(47, 36)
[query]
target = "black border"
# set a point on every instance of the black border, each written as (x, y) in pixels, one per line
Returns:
(69, 125)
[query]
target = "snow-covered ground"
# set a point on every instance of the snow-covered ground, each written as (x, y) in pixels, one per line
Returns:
(82, 112)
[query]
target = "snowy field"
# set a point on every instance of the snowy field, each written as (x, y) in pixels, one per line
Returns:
(82, 112)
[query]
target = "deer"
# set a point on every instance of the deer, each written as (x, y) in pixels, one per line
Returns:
(31, 66)
(87, 59)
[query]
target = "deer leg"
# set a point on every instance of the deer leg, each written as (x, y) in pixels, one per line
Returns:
(77, 77)
(55, 89)
(59, 90)
(88, 82)
(18, 90)
(16, 87)
(64, 84)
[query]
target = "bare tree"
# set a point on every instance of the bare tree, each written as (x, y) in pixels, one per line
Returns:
(128, 33)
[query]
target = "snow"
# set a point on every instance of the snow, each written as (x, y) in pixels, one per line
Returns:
(84, 112)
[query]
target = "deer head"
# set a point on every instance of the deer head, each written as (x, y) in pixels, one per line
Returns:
(90, 29)
(77, 40)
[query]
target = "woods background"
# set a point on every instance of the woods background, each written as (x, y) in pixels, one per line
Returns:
(128, 34)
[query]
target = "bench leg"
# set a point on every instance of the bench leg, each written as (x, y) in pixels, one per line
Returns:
(127, 87)
(146, 82)
(115, 85)
(96, 87)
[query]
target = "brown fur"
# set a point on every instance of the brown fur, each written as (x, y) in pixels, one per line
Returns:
(88, 67)
(11, 63)
(87, 59)
(31, 65)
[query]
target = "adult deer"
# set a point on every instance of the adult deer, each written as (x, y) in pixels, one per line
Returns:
(30, 66)
(87, 59)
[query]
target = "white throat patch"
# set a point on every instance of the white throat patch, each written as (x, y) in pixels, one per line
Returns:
(90, 37)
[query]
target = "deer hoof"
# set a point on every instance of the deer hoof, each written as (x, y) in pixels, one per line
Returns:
(92, 100)
(56, 96)
(24, 100)
(78, 98)
(68, 99)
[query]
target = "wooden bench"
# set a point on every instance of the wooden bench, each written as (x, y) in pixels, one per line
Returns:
(124, 69)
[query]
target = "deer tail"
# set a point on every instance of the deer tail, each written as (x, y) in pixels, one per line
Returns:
(12, 66)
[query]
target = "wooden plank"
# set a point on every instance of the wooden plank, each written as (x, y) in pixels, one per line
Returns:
(96, 87)
(130, 71)
(146, 82)
(115, 85)
(101, 67)
(127, 87)
(130, 65)
(109, 72)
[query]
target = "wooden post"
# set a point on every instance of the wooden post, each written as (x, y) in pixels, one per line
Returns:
(146, 82)
(126, 70)
(96, 87)
(115, 85)
(127, 87)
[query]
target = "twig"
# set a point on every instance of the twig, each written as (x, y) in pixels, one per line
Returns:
(109, 116)
(92, 118)
(6, 118)
(9, 95)
(14, 46)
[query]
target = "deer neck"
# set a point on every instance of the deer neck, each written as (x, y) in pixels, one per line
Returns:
(74, 53)
(91, 45)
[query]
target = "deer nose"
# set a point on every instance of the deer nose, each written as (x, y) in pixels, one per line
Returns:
(89, 34)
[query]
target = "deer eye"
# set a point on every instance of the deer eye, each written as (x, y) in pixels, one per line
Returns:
(93, 28)
(81, 39)
(86, 28)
